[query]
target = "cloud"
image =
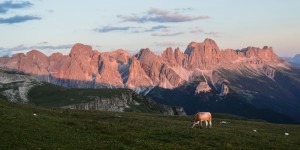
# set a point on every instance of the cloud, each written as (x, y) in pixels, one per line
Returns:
(184, 9)
(167, 34)
(40, 47)
(162, 16)
(157, 11)
(18, 19)
(131, 29)
(197, 30)
(169, 44)
(213, 34)
(155, 28)
(44, 47)
(111, 28)
(8, 5)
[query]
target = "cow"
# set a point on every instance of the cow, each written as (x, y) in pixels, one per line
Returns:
(202, 116)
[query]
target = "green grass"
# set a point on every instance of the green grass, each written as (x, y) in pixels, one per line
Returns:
(70, 129)
(55, 96)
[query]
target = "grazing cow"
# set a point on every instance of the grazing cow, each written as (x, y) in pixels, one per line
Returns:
(202, 116)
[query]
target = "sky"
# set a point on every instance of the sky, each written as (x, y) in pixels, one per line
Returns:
(55, 25)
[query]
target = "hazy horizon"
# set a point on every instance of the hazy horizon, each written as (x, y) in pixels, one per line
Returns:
(54, 26)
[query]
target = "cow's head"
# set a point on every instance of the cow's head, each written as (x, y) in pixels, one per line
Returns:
(193, 123)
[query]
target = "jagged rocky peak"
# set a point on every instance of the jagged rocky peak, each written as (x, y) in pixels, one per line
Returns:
(108, 72)
(18, 56)
(169, 56)
(37, 57)
(191, 47)
(4, 60)
(210, 42)
(120, 55)
(180, 57)
(79, 50)
(168, 53)
(266, 54)
(56, 55)
(34, 54)
(203, 55)
(137, 76)
(144, 54)
(206, 44)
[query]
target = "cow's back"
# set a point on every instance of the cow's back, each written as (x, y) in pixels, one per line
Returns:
(203, 116)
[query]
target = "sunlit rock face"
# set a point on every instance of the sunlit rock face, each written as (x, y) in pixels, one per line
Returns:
(200, 62)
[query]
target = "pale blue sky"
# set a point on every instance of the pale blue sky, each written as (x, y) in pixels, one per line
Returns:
(55, 25)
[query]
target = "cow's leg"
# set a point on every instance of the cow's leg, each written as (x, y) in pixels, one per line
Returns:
(200, 124)
(206, 122)
(210, 123)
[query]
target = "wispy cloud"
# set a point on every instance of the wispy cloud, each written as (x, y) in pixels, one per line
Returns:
(155, 28)
(8, 5)
(169, 44)
(184, 9)
(44, 47)
(18, 19)
(111, 28)
(197, 30)
(167, 34)
(40, 47)
(162, 16)
(130, 29)
(213, 34)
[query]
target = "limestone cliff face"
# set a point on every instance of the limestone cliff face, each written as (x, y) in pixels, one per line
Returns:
(137, 76)
(108, 72)
(159, 71)
(88, 68)
(120, 55)
(203, 55)
(117, 103)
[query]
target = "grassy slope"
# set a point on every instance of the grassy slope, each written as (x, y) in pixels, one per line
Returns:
(55, 96)
(50, 95)
(68, 129)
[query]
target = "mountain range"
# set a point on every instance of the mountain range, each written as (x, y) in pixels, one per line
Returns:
(204, 76)
(293, 60)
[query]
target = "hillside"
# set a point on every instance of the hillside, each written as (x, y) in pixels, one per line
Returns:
(68, 129)
(120, 100)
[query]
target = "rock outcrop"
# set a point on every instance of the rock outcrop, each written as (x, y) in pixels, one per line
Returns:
(117, 103)
(16, 86)
(202, 87)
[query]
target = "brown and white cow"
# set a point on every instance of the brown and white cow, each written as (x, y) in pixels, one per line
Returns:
(202, 116)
